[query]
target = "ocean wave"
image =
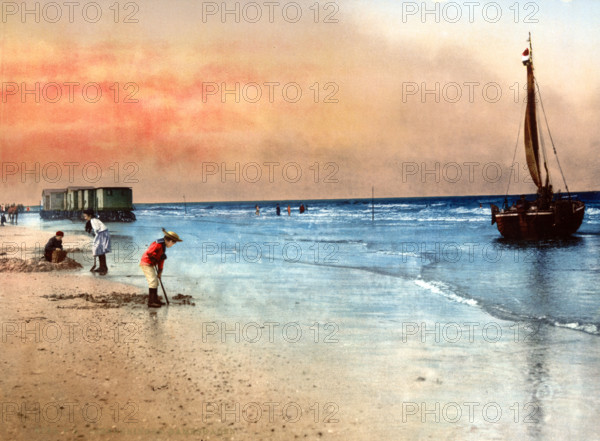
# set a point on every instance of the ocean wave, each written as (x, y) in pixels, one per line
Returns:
(465, 210)
(588, 328)
(442, 289)
(398, 253)
(438, 212)
(451, 219)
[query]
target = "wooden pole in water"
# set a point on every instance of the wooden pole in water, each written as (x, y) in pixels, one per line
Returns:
(372, 204)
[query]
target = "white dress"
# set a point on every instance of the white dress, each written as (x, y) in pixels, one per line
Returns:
(101, 243)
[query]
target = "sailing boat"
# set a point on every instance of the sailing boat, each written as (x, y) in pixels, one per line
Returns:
(549, 215)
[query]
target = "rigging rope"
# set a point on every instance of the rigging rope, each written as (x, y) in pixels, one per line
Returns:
(512, 167)
(552, 140)
(542, 141)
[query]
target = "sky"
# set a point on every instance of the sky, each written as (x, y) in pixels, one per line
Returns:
(292, 100)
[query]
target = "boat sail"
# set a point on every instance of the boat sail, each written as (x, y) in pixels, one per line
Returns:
(531, 130)
(549, 215)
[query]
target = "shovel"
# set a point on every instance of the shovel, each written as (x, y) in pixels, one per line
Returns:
(161, 285)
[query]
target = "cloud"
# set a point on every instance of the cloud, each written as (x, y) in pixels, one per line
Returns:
(374, 97)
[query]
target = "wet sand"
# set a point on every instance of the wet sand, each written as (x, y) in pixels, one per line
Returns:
(84, 358)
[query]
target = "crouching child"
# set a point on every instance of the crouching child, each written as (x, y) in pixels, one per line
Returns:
(152, 264)
(53, 251)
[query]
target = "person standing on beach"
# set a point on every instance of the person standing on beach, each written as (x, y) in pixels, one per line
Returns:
(13, 214)
(152, 264)
(55, 243)
(101, 244)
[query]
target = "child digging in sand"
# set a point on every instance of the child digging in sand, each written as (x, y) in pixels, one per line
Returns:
(152, 264)
(53, 251)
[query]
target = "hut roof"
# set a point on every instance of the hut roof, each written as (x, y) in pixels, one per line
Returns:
(80, 188)
(114, 188)
(53, 190)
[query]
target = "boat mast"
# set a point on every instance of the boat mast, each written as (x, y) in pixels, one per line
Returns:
(550, 135)
(540, 135)
(531, 139)
(533, 134)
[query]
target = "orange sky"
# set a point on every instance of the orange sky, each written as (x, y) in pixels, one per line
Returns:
(175, 138)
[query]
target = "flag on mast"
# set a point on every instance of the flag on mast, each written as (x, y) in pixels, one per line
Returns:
(526, 56)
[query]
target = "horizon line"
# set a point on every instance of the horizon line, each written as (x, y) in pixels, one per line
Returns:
(354, 198)
(300, 200)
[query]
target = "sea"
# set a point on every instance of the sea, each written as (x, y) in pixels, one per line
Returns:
(445, 246)
(429, 279)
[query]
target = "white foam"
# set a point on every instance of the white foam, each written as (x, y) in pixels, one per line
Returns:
(588, 328)
(442, 289)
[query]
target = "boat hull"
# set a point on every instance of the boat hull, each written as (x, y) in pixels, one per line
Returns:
(562, 219)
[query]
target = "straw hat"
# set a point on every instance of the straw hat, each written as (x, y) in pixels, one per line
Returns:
(172, 235)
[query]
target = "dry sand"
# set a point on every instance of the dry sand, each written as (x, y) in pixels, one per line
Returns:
(83, 358)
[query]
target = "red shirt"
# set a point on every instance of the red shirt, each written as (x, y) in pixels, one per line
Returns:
(155, 255)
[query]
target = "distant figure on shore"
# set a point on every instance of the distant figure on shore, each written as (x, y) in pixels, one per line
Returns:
(2, 220)
(53, 251)
(101, 244)
(301, 208)
(257, 210)
(289, 210)
(278, 210)
(152, 264)
(13, 214)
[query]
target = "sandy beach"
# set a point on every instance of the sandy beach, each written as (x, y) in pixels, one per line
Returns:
(84, 358)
